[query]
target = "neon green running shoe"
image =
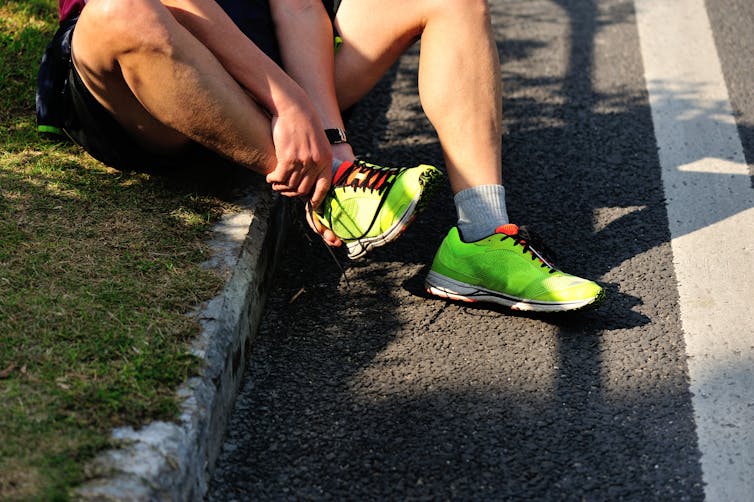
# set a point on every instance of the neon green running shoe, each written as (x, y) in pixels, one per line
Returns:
(369, 206)
(505, 269)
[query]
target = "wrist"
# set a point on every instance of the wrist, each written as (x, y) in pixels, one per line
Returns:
(288, 97)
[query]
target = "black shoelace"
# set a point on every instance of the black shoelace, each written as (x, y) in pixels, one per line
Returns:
(534, 245)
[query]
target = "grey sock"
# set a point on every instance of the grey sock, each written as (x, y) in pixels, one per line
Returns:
(335, 165)
(481, 210)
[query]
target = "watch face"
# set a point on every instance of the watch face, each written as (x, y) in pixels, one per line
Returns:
(336, 136)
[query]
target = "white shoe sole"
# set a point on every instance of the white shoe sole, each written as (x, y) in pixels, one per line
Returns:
(429, 181)
(445, 287)
(357, 249)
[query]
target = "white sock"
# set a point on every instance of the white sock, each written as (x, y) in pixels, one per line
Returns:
(481, 210)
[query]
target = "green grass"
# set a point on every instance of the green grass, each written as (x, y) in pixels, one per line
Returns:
(97, 269)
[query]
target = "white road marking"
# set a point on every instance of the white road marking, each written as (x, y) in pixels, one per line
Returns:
(710, 204)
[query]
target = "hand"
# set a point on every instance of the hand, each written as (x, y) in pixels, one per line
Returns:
(304, 157)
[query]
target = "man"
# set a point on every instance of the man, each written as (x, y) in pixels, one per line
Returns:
(259, 84)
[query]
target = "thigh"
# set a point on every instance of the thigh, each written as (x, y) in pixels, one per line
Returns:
(375, 33)
(93, 128)
(95, 46)
(111, 29)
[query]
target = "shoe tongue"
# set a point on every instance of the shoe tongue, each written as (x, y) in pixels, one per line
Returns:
(508, 229)
(341, 171)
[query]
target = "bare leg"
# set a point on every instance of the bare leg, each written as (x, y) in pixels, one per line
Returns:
(459, 73)
(164, 86)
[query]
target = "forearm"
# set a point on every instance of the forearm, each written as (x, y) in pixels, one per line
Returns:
(270, 86)
(305, 38)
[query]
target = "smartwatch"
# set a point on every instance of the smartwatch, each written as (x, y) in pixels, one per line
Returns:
(336, 136)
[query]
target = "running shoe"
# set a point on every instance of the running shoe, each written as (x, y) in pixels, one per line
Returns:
(369, 205)
(508, 268)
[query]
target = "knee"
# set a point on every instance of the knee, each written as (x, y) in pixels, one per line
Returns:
(283, 10)
(127, 25)
(459, 9)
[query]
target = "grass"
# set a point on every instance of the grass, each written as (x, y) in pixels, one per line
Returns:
(97, 269)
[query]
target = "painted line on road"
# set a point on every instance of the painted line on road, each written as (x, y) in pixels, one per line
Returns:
(710, 205)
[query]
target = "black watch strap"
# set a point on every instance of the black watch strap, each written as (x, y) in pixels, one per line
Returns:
(336, 136)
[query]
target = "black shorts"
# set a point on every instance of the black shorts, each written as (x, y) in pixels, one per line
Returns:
(90, 125)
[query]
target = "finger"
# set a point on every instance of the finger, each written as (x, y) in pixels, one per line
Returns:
(283, 171)
(294, 180)
(306, 184)
(311, 219)
(328, 235)
(320, 191)
(276, 176)
(281, 187)
(316, 225)
(289, 193)
(330, 238)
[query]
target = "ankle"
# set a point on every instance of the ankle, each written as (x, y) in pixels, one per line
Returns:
(480, 210)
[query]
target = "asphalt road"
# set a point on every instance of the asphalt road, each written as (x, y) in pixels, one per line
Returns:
(370, 389)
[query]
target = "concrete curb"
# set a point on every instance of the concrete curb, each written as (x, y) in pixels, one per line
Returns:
(173, 461)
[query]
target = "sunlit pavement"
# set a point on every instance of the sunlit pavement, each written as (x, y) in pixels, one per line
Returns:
(369, 389)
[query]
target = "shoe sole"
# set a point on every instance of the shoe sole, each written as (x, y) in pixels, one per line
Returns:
(445, 287)
(429, 181)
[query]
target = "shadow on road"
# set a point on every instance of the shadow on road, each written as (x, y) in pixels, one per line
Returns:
(378, 390)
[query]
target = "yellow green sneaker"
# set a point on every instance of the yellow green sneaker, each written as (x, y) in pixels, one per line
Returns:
(507, 268)
(369, 205)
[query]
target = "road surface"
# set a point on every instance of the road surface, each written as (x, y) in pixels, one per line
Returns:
(628, 125)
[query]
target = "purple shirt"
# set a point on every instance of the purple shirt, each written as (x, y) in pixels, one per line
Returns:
(70, 8)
